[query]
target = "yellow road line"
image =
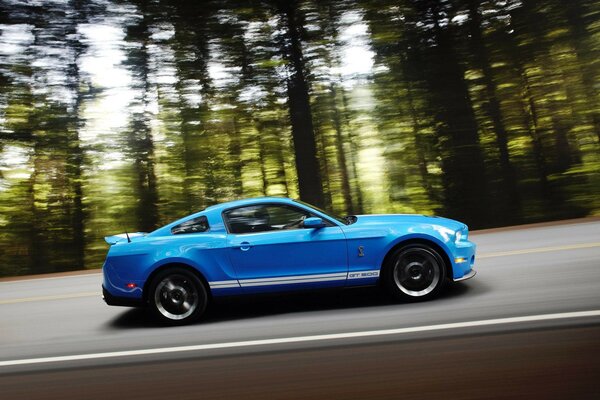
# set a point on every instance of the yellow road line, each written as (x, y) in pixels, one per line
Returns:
(30, 278)
(538, 250)
(479, 256)
(55, 297)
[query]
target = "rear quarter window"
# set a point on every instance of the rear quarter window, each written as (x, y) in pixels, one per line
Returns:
(194, 225)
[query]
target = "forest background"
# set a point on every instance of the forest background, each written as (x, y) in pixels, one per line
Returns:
(125, 115)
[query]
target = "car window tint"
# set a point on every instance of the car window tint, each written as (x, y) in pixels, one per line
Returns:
(194, 225)
(265, 217)
(248, 219)
(281, 217)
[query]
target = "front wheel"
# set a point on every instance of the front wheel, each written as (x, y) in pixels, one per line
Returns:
(415, 272)
(177, 297)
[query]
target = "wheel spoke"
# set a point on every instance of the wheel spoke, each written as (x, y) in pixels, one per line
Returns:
(417, 272)
(176, 297)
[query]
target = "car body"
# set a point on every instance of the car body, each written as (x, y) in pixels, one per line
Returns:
(278, 244)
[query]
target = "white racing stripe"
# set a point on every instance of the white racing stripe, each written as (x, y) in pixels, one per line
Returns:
(224, 284)
(293, 278)
(289, 280)
(294, 281)
(300, 339)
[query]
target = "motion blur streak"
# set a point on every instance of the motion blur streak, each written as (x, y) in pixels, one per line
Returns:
(551, 359)
(540, 250)
(551, 364)
(44, 298)
(346, 335)
(120, 115)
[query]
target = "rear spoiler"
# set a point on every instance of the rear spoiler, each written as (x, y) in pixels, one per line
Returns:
(124, 237)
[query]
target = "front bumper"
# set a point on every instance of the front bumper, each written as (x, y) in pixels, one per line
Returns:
(113, 300)
(463, 260)
(468, 275)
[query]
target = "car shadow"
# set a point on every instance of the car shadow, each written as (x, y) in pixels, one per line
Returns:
(256, 306)
(132, 318)
(273, 304)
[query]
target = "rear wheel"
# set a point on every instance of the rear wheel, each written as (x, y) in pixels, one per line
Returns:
(177, 297)
(415, 272)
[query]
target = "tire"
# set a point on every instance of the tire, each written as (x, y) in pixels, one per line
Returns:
(177, 297)
(415, 272)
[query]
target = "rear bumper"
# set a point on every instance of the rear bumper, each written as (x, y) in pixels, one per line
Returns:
(112, 300)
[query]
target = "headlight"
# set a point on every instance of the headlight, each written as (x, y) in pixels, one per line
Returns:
(461, 234)
(450, 235)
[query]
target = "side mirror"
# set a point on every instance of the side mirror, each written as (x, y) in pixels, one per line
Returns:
(314, 222)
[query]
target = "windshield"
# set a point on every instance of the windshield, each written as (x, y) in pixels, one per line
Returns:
(343, 220)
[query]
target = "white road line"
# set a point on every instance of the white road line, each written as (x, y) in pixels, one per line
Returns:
(299, 339)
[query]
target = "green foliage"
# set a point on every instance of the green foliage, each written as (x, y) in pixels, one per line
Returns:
(125, 115)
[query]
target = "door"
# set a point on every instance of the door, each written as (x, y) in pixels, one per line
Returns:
(271, 250)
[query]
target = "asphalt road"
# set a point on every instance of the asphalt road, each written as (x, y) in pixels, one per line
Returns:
(349, 344)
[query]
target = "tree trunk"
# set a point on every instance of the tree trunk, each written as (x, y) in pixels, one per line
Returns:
(303, 135)
(140, 137)
(420, 153)
(534, 132)
(586, 57)
(75, 152)
(341, 154)
(493, 109)
(466, 195)
(357, 204)
(235, 151)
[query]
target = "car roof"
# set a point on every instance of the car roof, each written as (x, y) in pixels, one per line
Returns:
(218, 208)
(245, 202)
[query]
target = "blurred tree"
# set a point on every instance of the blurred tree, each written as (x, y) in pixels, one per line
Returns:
(139, 143)
(307, 166)
(404, 117)
(509, 191)
(580, 15)
(126, 114)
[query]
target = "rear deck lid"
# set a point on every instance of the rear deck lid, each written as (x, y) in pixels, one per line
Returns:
(124, 237)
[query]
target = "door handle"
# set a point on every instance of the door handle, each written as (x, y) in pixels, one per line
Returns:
(244, 246)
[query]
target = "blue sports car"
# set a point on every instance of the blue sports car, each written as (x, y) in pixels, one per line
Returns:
(277, 244)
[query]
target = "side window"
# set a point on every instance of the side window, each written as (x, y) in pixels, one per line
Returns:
(194, 225)
(248, 219)
(265, 217)
(286, 217)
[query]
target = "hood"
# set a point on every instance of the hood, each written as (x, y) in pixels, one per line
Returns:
(386, 219)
